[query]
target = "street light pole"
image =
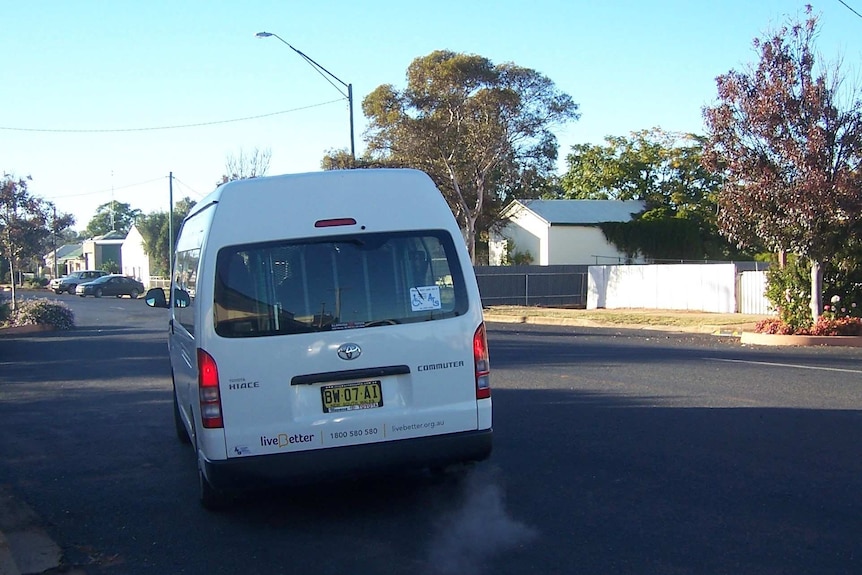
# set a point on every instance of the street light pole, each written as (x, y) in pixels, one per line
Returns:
(323, 72)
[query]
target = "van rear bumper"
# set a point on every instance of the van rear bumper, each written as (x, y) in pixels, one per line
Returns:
(344, 462)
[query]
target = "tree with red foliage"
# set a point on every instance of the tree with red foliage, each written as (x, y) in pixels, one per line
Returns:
(789, 151)
(26, 222)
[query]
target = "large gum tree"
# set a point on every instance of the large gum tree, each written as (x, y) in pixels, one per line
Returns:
(476, 128)
(787, 135)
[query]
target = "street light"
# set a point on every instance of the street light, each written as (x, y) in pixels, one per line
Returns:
(323, 72)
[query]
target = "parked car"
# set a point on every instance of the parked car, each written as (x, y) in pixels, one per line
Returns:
(113, 284)
(69, 282)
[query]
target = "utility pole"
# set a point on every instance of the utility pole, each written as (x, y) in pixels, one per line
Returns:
(170, 225)
(54, 242)
(113, 227)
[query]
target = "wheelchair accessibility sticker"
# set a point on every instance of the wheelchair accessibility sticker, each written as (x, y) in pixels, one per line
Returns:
(425, 298)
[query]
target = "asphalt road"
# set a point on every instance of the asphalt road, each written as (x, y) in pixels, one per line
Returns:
(615, 452)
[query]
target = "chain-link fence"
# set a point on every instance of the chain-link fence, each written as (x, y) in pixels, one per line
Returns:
(551, 286)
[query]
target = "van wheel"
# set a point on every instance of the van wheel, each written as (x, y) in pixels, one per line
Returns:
(211, 498)
(182, 434)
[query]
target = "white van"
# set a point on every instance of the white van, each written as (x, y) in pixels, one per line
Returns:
(323, 325)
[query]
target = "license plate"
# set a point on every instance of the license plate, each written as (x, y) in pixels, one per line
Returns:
(350, 396)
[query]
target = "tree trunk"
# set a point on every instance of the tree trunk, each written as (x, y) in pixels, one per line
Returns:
(816, 289)
(470, 237)
(12, 277)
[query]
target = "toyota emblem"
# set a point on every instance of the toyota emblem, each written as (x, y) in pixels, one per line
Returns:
(349, 351)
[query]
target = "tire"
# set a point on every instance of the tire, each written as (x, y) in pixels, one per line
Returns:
(134, 294)
(58, 291)
(211, 498)
(98, 292)
(71, 289)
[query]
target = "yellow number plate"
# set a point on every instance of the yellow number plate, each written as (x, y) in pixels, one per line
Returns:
(350, 396)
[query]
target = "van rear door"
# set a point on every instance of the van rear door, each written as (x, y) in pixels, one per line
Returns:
(343, 340)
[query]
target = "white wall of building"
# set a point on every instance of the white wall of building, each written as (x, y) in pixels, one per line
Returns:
(581, 245)
(136, 263)
(553, 245)
(522, 239)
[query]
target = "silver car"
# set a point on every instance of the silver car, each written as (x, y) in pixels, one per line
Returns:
(68, 283)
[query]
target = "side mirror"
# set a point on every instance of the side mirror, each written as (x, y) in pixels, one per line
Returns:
(155, 297)
(181, 298)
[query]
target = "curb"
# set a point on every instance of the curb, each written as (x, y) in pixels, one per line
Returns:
(802, 340)
(25, 329)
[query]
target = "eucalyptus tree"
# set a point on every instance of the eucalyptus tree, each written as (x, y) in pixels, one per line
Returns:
(664, 169)
(112, 216)
(473, 126)
(155, 230)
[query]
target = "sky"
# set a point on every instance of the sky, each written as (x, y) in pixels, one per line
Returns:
(103, 100)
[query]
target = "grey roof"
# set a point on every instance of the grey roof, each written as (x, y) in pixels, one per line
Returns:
(112, 235)
(66, 251)
(582, 211)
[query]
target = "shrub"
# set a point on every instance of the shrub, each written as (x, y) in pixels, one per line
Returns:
(42, 311)
(788, 290)
(837, 326)
(825, 325)
(5, 310)
(773, 325)
(36, 283)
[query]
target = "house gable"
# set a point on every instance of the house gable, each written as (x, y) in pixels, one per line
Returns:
(562, 231)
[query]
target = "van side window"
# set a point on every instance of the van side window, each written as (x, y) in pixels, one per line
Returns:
(344, 282)
(185, 279)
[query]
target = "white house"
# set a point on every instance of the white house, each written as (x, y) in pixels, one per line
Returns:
(561, 231)
(98, 251)
(136, 262)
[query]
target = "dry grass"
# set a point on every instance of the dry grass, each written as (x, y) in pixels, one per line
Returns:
(644, 318)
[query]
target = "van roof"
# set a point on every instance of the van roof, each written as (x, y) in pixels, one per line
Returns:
(377, 199)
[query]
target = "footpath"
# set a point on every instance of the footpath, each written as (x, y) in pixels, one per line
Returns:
(27, 549)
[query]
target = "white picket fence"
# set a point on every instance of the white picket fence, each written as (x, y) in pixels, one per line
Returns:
(718, 288)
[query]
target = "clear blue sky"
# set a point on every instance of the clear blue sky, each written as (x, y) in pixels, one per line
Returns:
(87, 84)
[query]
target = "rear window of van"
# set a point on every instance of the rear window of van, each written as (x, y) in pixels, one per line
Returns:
(344, 282)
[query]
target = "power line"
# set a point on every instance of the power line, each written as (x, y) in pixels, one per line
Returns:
(63, 197)
(191, 189)
(175, 127)
(849, 8)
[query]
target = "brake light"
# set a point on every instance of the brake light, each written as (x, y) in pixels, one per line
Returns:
(480, 361)
(334, 222)
(208, 391)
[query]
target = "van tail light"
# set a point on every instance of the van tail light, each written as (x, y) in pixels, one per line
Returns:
(480, 361)
(208, 390)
